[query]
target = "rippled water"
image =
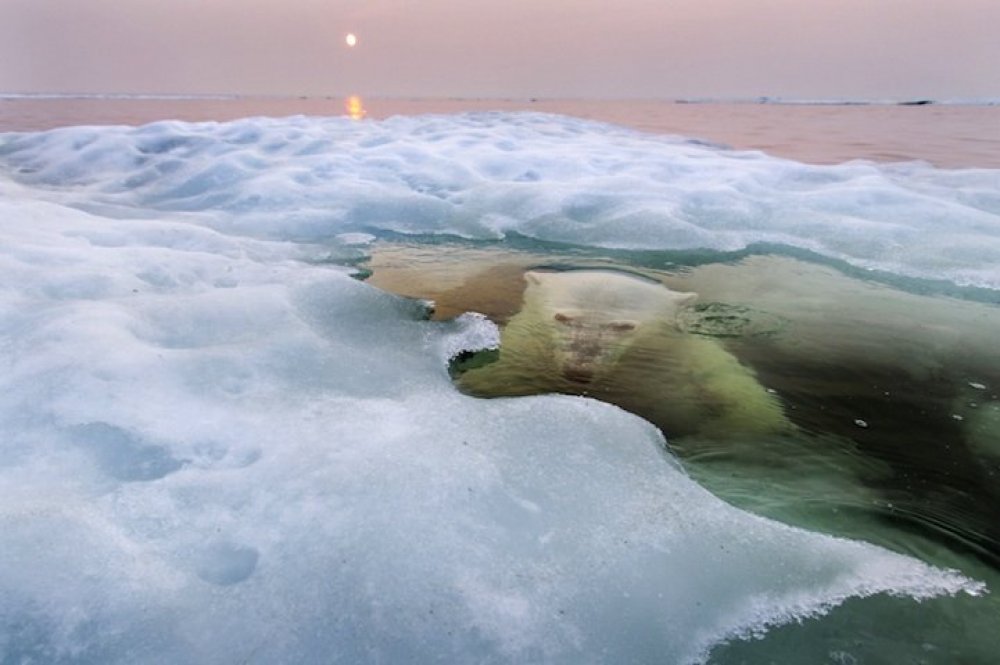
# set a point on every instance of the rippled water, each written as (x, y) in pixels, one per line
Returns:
(886, 426)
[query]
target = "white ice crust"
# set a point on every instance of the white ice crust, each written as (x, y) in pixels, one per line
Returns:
(217, 446)
(548, 177)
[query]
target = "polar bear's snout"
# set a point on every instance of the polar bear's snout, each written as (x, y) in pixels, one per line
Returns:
(587, 341)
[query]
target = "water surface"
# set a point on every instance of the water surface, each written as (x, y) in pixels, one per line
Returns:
(952, 136)
(887, 427)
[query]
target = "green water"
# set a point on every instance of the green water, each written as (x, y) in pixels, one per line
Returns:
(787, 388)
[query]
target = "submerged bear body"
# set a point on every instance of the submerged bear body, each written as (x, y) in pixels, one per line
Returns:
(616, 336)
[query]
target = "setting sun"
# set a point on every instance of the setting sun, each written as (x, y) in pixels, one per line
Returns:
(351, 39)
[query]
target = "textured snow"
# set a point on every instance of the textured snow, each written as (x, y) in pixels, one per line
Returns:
(487, 175)
(218, 446)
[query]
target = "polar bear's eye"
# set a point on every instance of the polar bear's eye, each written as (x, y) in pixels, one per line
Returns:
(562, 318)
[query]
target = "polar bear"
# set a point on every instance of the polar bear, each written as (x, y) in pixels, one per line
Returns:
(598, 314)
(620, 337)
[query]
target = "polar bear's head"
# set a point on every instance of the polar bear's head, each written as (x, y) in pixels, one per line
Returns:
(596, 314)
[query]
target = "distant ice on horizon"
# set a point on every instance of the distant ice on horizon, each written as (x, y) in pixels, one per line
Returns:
(763, 99)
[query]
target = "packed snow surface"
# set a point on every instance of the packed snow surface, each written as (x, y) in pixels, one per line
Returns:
(218, 446)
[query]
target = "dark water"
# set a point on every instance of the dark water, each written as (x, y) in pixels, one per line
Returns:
(791, 390)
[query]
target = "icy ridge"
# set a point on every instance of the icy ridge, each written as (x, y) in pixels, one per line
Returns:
(485, 175)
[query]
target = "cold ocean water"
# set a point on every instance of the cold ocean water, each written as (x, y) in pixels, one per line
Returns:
(221, 442)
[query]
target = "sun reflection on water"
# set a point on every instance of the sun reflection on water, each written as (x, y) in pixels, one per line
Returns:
(354, 107)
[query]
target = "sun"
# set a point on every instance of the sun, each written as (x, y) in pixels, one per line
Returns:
(351, 39)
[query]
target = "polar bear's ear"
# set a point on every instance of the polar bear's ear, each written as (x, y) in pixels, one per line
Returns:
(532, 277)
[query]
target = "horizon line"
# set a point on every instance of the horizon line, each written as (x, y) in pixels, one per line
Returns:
(758, 99)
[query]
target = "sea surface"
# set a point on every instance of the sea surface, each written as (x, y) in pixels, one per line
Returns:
(218, 439)
(946, 135)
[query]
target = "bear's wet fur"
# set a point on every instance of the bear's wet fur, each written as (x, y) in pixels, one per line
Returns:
(616, 336)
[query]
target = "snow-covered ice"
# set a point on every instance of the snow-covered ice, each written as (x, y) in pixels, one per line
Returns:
(218, 446)
(487, 175)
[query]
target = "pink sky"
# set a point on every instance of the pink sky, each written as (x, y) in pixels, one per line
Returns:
(516, 48)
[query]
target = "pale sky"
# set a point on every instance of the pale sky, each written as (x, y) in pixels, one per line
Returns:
(864, 49)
